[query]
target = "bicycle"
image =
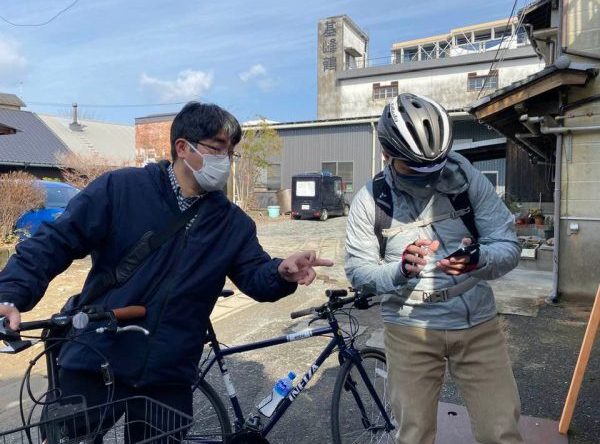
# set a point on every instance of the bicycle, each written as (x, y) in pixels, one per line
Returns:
(68, 419)
(360, 409)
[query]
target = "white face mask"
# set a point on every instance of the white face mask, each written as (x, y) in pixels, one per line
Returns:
(214, 172)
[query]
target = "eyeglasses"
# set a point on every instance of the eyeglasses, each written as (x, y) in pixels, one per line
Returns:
(220, 151)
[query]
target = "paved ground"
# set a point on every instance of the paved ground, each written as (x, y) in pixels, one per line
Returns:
(543, 345)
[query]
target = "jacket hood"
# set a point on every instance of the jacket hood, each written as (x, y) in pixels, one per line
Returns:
(453, 179)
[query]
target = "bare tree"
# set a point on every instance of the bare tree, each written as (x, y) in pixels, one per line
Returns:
(81, 169)
(18, 194)
(257, 145)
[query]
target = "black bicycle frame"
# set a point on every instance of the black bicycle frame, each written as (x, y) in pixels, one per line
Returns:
(345, 352)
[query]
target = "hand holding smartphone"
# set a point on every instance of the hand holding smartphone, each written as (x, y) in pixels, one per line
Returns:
(467, 250)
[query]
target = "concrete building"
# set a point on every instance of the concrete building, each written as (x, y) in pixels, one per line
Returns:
(353, 89)
(554, 116)
(454, 68)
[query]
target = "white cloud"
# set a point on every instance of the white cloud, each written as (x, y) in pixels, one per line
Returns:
(258, 75)
(255, 71)
(12, 62)
(189, 85)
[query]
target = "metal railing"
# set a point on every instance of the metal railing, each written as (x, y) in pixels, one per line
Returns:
(443, 50)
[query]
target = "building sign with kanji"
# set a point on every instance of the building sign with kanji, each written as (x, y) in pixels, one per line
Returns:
(329, 46)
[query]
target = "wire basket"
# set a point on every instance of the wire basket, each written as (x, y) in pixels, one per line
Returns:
(136, 419)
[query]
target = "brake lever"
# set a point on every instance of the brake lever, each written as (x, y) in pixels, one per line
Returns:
(12, 347)
(12, 339)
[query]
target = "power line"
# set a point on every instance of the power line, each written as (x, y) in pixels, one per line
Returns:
(499, 46)
(59, 13)
(120, 105)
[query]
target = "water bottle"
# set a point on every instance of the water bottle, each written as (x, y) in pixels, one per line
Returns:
(280, 390)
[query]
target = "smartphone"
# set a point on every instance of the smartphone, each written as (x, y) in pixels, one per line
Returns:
(463, 251)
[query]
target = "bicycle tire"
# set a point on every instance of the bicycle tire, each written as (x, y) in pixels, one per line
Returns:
(211, 422)
(349, 422)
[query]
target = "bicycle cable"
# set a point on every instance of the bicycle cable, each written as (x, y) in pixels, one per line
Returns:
(26, 382)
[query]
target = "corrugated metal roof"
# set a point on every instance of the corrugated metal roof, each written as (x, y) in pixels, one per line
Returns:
(115, 142)
(33, 144)
(11, 100)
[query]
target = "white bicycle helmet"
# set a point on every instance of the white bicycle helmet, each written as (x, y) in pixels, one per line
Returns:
(416, 130)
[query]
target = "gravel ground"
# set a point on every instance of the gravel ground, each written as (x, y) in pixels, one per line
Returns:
(543, 349)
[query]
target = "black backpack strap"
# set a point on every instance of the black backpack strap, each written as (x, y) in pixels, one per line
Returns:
(384, 210)
(129, 263)
(461, 202)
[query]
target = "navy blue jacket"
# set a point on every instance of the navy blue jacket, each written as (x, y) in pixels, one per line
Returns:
(179, 283)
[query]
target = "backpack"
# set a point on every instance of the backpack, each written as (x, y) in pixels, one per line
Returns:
(384, 210)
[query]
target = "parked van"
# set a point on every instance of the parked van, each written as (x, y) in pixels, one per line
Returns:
(318, 195)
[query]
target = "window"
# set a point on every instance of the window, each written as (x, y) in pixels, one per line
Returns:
(492, 177)
(385, 92)
(350, 61)
(329, 167)
(476, 83)
(410, 54)
(346, 172)
(343, 169)
(521, 35)
(305, 188)
(337, 188)
(274, 176)
(59, 197)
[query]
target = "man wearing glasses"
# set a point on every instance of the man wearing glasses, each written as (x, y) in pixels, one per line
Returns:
(178, 283)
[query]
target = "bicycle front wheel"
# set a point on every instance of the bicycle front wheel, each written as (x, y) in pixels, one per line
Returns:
(211, 422)
(355, 416)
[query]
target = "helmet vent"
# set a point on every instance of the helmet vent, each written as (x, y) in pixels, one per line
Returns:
(412, 131)
(416, 104)
(429, 132)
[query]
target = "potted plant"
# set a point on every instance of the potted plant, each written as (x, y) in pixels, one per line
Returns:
(536, 216)
(514, 206)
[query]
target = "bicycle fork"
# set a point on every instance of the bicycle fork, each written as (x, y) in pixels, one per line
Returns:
(351, 386)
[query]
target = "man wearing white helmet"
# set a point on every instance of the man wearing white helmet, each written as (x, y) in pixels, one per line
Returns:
(438, 311)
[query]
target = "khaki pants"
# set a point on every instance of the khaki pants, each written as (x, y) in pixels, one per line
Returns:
(479, 364)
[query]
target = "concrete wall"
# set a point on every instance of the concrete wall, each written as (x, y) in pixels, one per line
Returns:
(446, 85)
(351, 39)
(579, 273)
(582, 26)
(334, 35)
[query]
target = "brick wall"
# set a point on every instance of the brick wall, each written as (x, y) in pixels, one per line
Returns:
(153, 139)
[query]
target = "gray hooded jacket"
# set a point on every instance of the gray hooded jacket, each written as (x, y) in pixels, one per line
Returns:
(431, 218)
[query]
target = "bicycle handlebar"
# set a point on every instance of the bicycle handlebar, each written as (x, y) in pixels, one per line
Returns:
(61, 320)
(336, 292)
(305, 312)
(359, 300)
(130, 312)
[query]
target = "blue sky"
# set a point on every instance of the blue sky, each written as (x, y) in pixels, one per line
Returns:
(252, 57)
